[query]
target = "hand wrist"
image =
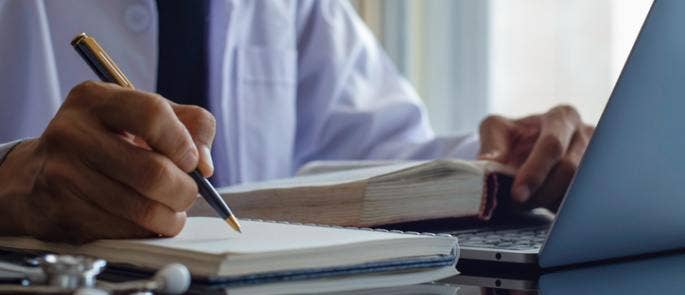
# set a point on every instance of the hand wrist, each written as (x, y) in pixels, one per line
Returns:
(17, 174)
(6, 148)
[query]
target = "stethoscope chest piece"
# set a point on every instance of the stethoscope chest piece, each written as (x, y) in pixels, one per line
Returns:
(71, 272)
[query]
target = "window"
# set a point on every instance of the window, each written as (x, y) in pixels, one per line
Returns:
(468, 58)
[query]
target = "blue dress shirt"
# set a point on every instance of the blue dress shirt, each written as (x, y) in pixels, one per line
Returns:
(288, 81)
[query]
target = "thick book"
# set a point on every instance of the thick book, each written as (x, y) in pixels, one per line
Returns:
(267, 252)
(380, 193)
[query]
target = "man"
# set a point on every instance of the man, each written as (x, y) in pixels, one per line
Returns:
(286, 82)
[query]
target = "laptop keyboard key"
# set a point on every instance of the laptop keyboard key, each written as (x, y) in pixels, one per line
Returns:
(516, 239)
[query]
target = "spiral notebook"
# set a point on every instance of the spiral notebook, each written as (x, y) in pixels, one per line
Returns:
(267, 251)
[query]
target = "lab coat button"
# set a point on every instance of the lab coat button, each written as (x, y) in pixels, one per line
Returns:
(137, 18)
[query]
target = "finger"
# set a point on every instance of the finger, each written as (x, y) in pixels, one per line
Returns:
(581, 139)
(146, 115)
(202, 127)
(85, 222)
(556, 132)
(495, 139)
(69, 216)
(74, 230)
(147, 172)
(122, 201)
(523, 140)
(553, 190)
(588, 131)
(532, 121)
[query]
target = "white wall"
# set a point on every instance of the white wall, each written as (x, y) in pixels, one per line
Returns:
(468, 58)
(544, 53)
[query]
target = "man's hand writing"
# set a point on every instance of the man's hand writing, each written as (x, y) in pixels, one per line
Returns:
(546, 149)
(83, 179)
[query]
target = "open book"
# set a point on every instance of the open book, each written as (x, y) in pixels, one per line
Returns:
(378, 194)
(267, 251)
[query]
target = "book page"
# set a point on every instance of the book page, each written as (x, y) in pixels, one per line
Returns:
(324, 179)
(328, 166)
(376, 170)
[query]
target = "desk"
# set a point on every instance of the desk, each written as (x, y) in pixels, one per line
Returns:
(663, 274)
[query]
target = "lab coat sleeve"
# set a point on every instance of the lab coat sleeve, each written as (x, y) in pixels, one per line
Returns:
(5, 148)
(352, 102)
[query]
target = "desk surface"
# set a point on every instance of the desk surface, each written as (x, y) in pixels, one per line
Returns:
(664, 274)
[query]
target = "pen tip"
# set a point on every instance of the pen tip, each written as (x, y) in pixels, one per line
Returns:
(233, 223)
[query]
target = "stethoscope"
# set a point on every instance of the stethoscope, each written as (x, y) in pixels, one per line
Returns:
(67, 274)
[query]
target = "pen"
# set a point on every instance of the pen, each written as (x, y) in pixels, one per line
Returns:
(103, 65)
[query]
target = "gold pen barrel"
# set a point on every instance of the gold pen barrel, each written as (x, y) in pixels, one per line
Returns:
(99, 61)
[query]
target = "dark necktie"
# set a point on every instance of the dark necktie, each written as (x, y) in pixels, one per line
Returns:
(182, 67)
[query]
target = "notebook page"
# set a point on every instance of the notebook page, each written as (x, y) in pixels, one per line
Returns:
(212, 235)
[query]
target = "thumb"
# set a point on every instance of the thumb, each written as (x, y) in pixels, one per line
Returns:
(202, 128)
(495, 134)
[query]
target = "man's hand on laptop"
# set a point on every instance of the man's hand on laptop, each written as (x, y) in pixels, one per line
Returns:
(546, 149)
(87, 177)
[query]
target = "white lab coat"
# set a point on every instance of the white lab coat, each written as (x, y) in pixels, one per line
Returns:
(290, 81)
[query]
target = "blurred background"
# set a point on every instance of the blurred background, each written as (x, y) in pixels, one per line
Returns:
(468, 58)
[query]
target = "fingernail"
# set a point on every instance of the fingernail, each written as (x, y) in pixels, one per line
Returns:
(521, 193)
(189, 160)
(207, 163)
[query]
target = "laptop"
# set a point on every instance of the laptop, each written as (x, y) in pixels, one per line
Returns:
(628, 195)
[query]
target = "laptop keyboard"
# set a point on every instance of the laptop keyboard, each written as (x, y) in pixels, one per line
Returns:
(511, 239)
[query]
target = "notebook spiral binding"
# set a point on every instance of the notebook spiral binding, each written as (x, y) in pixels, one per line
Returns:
(352, 227)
